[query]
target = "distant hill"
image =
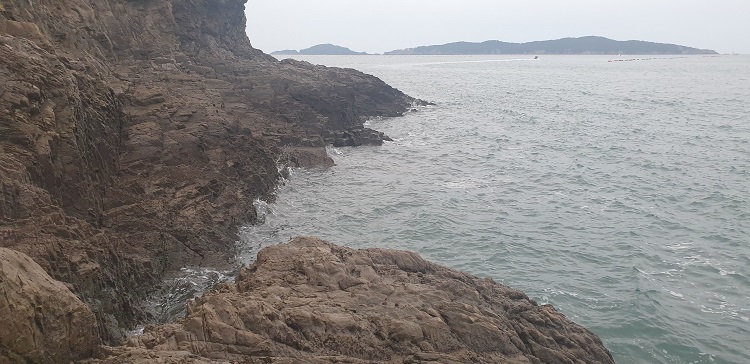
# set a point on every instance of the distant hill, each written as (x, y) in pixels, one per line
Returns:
(320, 49)
(582, 45)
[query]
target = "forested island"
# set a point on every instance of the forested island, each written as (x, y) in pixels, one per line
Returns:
(320, 49)
(582, 45)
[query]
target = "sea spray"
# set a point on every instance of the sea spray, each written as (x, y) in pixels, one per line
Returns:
(168, 302)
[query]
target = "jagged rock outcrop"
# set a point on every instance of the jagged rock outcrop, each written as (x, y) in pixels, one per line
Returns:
(355, 137)
(40, 319)
(134, 136)
(309, 301)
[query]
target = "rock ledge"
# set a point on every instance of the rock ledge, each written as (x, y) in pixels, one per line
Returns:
(309, 301)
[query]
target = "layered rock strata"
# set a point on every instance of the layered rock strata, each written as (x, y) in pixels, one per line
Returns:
(309, 301)
(134, 136)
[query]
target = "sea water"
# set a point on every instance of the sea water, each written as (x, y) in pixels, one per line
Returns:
(619, 192)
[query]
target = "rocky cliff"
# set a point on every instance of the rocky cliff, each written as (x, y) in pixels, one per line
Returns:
(134, 136)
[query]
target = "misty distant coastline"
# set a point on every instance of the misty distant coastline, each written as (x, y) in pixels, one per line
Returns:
(318, 50)
(582, 45)
(592, 45)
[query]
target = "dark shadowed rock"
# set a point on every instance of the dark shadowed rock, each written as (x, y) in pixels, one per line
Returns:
(358, 136)
(310, 301)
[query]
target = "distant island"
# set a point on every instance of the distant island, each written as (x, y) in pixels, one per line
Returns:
(319, 50)
(582, 45)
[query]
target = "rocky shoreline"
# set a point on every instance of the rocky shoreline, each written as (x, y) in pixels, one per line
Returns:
(306, 301)
(134, 137)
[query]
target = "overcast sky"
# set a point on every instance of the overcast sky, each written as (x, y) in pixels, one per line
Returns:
(384, 25)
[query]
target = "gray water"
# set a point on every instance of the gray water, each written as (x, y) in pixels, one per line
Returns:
(619, 192)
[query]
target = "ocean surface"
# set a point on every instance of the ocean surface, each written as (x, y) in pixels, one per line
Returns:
(619, 192)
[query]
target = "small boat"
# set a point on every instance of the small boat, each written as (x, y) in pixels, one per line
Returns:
(536, 57)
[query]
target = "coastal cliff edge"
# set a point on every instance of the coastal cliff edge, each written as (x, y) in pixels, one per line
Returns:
(134, 137)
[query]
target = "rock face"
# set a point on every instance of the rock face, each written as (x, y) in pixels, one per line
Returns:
(356, 137)
(40, 319)
(310, 301)
(134, 136)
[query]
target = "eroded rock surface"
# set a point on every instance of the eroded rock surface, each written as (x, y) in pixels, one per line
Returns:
(41, 321)
(309, 301)
(134, 136)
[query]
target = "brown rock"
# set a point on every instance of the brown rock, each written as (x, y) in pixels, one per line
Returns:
(135, 135)
(41, 321)
(312, 301)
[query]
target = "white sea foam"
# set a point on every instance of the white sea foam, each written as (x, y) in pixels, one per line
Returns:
(464, 183)
(680, 246)
(135, 332)
(169, 301)
(262, 209)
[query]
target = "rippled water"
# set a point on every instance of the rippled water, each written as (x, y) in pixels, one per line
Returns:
(618, 192)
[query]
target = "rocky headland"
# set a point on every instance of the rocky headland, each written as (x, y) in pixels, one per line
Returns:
(134, 136)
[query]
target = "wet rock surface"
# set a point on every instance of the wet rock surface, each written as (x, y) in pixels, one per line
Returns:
(309, 301)
(358, 136)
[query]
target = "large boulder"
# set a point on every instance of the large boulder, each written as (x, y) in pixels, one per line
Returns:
(309, 301)
(41, 321)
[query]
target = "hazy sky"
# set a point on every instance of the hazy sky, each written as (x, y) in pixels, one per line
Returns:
(378, 26)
